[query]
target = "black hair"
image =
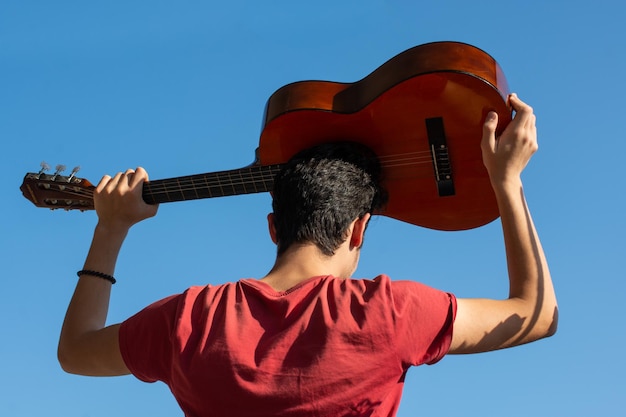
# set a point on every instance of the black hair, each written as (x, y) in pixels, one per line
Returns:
(321, 190)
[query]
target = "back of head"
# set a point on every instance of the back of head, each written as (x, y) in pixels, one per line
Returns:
(321, 190)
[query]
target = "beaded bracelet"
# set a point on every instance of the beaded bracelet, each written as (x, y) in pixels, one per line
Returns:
(108, 277)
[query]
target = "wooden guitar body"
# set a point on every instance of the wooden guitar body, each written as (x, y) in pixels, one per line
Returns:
(448, 84)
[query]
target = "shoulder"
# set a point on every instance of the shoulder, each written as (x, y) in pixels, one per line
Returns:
(399, 288)
(394, 295)
(403, 296)
(169, 308)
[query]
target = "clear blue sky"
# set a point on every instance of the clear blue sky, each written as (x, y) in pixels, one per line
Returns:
(180, 87)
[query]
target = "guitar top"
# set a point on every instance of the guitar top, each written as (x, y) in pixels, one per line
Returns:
(421, 112)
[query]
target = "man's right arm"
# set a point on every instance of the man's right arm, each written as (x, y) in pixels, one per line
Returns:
(86, 345)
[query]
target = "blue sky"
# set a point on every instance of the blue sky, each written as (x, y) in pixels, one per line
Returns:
(180, 88)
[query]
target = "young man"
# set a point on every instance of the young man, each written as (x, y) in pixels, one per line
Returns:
(306, 339)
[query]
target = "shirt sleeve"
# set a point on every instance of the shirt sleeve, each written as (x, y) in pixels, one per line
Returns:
(146, 340)
(423, 320)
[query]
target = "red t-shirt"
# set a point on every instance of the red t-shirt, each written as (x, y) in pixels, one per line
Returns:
(327, 347)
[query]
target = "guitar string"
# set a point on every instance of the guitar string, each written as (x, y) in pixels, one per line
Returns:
(254, 176)
(394, 161)
(181, 187)
(226, 180)
(258, 173)
(251, 178)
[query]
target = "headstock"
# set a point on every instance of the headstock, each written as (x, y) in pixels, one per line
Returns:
(58, 191)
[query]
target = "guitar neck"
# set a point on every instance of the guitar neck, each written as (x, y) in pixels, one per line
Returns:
(248, 180)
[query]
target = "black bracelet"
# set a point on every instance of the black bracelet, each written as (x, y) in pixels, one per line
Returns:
(108, 277)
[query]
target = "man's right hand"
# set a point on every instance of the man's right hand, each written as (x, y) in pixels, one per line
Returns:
(118, 200)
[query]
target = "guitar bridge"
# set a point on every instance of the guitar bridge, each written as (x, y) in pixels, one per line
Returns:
(440, 156)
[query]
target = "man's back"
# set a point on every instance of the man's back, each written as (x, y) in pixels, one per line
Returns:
(328, 346)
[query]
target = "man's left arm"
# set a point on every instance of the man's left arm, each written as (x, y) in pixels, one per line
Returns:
(530, 312)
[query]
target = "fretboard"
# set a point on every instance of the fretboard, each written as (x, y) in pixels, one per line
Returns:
(252, 179)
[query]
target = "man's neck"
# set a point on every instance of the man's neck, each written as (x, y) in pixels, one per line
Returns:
(303, 261)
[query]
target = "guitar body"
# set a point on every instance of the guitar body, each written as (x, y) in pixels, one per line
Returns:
(446, 84)
(421, 112)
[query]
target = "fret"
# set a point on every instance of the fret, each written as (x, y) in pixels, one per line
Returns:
(175, 193)
(251, 184)
(188, 188)
(236, 184)
(206, 189)
(268, 179)
(232, 184)
(241, 185)
(193, 192)
(199, 189)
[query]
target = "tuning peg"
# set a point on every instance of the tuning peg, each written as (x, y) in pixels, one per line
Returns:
(59, 168)
(73, 173)
(44, 167)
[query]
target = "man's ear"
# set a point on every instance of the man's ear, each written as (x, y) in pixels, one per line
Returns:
(272, 227)
(358, 231)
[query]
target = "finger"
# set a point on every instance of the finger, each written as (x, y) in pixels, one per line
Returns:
(532, 129)
(489, 132)
(115, 181)
(103, 182)
(524, 113)
(139, 177)
(127, 177)
(520, 107)
(531, 123)
(524, 119)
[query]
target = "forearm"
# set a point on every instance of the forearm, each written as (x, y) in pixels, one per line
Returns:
(89, 305)
(88, 308)
(530, 283)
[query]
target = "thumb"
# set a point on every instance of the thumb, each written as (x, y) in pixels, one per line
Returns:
(489, 132)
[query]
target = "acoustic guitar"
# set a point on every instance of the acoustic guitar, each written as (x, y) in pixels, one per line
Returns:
(421, 112)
